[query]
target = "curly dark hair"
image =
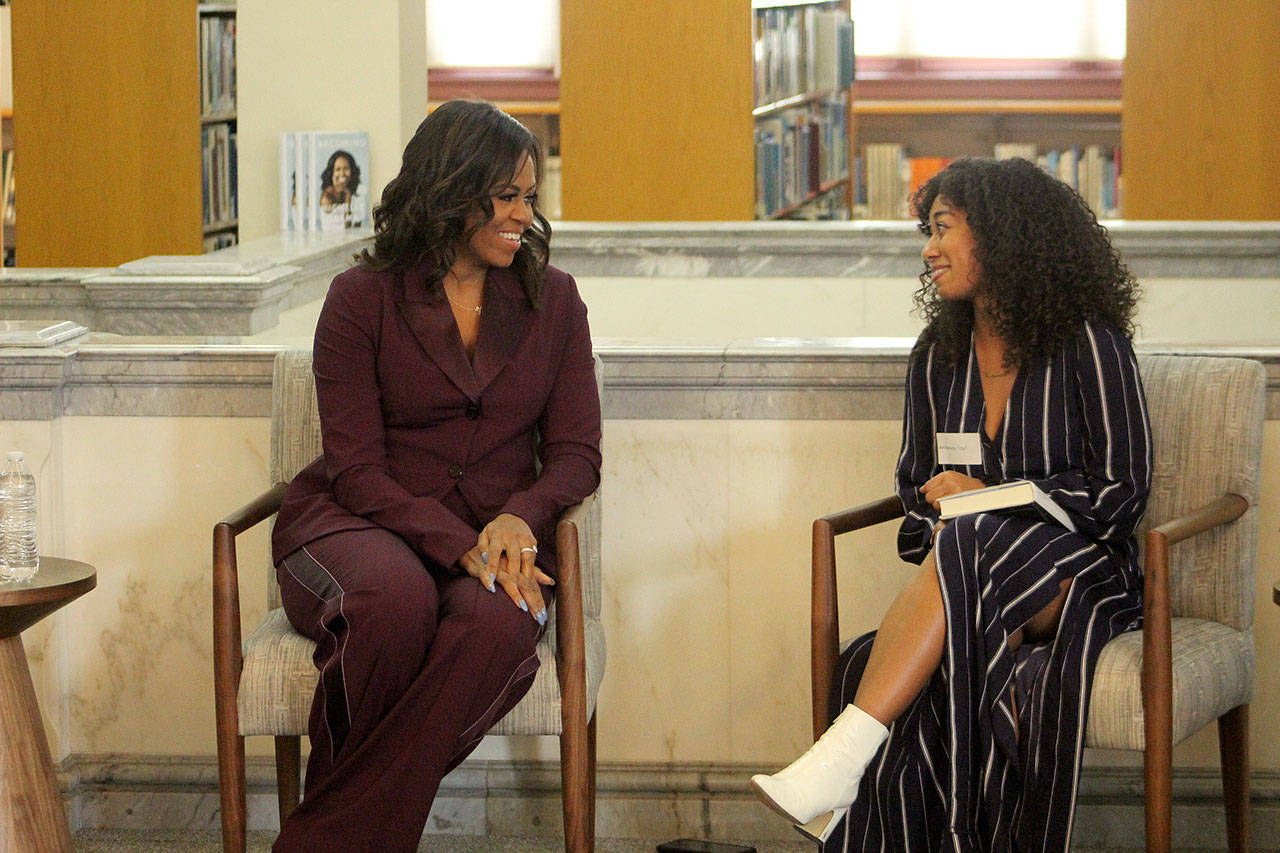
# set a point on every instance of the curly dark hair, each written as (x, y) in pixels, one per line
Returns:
(1047, 265)
(460, 156)
(353, 182)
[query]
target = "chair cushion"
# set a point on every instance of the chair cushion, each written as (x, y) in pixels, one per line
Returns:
(279, 681)
(1213, 672)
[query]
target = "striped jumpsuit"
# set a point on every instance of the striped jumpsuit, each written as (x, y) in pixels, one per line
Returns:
(987, 757)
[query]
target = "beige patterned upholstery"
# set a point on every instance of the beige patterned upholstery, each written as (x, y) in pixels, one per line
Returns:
(279, 678)
(1206, 422)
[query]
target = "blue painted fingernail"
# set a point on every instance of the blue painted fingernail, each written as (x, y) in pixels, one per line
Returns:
(542, 618)
(524, 607)
(489, 584)
(484, 557)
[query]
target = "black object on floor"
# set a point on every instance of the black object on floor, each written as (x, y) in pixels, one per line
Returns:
(694, 845)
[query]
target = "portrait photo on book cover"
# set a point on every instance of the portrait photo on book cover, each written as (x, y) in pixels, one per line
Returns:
(339, 177)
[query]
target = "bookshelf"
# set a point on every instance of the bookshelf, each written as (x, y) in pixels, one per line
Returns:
(219, 197)
(109, 139)
(659, 110)
(901, 142)
(802, 63)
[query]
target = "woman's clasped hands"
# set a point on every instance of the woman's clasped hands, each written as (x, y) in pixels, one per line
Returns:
(948, 483)
(504, 554)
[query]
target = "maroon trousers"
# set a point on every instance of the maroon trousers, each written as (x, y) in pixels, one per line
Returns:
(414, 667)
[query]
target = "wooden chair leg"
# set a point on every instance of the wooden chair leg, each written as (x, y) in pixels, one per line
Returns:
(576, 780)
(1158, 771)
(591, 782)
(232, 791)
(288, 773)
(1233, 747)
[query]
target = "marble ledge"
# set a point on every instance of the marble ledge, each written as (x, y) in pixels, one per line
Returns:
(870, 249)
(748, 379)
(242, 290)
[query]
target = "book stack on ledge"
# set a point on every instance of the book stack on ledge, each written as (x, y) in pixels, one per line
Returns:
(38, 333)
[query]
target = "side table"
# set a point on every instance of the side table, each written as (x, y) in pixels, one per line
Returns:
(31, 814)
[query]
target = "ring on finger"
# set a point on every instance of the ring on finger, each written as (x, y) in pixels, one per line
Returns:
(532, 549)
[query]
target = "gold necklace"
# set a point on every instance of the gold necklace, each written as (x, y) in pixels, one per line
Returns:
(1004, 372)
(475, 308)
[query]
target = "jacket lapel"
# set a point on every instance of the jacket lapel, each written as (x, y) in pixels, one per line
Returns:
(434, 328)
(503, 325)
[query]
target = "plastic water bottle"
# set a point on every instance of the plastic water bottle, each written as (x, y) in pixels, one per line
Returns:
(19, 560)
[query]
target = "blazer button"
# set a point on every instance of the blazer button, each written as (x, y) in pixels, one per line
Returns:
(455, 471)
(473, 412)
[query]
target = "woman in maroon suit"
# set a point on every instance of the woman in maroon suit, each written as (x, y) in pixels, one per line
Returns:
(416, 551)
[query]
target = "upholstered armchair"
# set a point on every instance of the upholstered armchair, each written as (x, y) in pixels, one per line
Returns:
(264, 681)
(1193, 661)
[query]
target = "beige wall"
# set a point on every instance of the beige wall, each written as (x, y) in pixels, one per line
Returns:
(324, 65)
(714, 607)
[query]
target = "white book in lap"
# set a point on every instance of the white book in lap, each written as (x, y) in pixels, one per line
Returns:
(1011, 495)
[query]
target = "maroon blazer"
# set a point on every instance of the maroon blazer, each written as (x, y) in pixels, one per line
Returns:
(424, 442)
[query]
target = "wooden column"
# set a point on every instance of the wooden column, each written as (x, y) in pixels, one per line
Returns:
(1201, 108)
(106, 115)
(655, 110)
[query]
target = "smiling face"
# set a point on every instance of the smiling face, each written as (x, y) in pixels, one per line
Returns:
(951, 252)
(495, 243)
(341, 172)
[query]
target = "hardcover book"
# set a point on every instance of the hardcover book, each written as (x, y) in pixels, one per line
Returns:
(338, 180)
(1012, 495)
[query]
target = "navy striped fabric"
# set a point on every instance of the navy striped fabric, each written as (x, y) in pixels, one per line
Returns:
(987, 758)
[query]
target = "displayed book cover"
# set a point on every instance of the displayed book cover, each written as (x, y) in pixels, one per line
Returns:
(338, 180)
(300, 208)
(1011, 495)
(288, 181)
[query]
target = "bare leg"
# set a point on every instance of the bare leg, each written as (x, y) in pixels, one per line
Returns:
(907, 648)
(908, 645)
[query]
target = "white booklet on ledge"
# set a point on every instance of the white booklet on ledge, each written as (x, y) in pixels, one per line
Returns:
(1011, 495)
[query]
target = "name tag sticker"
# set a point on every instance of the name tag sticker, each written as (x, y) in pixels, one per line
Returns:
(959, 448)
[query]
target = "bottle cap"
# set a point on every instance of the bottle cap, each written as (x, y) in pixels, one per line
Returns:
(15, 455)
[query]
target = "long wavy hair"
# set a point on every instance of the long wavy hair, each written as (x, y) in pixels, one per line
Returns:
(1046, 265)
(462, 154)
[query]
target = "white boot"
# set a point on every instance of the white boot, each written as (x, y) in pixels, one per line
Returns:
(824, 779)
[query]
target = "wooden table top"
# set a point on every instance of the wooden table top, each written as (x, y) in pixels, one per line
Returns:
(58, 581)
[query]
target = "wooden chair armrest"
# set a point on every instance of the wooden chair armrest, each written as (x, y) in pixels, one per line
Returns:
(866, 515)
(1157, 631)
(571, 646)
(257, 510)
(824, 644)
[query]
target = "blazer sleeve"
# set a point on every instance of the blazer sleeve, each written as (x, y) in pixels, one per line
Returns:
(1109, 496)
(353, 431)
(916, 462)
(569, 430)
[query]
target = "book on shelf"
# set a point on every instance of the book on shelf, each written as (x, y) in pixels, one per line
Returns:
(801, 49)
(8, 215)
(218, 152)
(888, 175)
(1016, 495)
(800, 152)
(217, 64)
(324, 180)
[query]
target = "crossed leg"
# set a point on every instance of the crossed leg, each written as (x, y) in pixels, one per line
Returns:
(909, 643)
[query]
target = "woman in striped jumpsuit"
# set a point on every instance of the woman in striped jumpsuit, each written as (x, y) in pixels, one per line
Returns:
(959, 724)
